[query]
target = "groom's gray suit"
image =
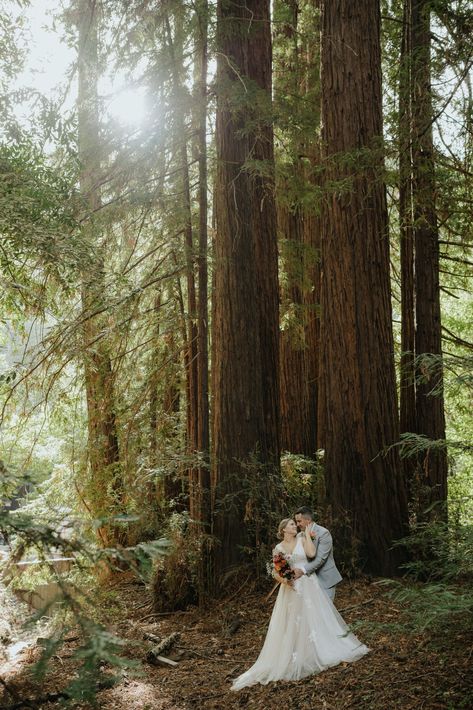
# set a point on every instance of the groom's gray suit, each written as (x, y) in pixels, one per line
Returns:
(323, 563)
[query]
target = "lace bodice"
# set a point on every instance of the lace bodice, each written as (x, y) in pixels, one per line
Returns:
(298, 555)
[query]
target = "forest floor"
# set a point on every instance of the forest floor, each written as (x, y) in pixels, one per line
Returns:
(403, 670)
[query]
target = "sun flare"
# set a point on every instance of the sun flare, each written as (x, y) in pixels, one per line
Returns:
(128, 106)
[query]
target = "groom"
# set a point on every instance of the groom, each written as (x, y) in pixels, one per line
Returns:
(323, 563)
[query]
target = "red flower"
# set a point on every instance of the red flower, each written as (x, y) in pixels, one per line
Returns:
(282, 567)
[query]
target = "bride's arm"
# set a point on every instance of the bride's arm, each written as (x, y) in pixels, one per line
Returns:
(308, 544)
(281, 580)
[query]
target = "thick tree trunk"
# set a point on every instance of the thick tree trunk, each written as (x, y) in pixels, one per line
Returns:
(358, 406)
(203, 364)
(312, 237)
(429, 388)
(103, 438)
(293, 395)
(297, 230)
(406, 219)
(245, 369)
(203, 513)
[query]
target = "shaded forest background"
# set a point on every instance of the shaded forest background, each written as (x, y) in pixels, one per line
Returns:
(256, 297)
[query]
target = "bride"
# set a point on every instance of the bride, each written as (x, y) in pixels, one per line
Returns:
(306, 634)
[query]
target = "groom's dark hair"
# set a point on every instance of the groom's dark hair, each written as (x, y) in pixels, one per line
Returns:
(305, 511)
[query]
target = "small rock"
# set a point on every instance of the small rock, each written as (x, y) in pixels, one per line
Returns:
(401, 657)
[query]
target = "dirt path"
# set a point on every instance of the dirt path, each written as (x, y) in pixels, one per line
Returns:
(402, 671)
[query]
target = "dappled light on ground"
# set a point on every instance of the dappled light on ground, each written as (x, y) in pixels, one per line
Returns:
(404, 671)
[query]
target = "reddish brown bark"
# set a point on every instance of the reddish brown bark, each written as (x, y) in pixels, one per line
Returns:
(203, 512)
(245, 328)
(428, 336)
(357, 407)
(407, 364)
(203, 432)
(296, 85)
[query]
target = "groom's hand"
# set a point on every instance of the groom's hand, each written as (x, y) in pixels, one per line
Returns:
(298, 573)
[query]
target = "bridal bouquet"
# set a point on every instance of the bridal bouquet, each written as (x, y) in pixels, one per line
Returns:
(282, 567)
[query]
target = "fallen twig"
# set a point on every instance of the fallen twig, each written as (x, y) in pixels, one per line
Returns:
(219, 659)
(142, 605)
(164, 613)
(355, 606)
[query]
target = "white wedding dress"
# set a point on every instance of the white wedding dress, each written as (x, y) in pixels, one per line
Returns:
(306, 634)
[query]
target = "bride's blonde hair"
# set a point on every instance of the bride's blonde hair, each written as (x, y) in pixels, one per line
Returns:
(281, 527)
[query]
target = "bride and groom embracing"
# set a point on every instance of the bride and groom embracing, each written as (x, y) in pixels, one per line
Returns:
(306, 634)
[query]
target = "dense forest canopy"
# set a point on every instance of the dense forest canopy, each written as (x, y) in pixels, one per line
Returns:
(236, 268)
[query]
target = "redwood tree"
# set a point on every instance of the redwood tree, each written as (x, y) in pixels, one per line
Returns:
(202, 487)
(357, 404)
(407, 373)
(175, 49)
(297, 97)
(430, 417)
(422, 406)
(203, 426)
(245, 327)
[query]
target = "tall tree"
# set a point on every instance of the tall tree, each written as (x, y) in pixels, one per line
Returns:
(245, 327)
(357, 404)
(106, 484)
(191, 364)
(430, 417)
(407, 364)
(203, 426)
(296, 90)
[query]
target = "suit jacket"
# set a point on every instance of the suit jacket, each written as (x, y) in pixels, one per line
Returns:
(323, 563)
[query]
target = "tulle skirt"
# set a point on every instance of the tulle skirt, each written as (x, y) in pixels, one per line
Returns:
(306, 635)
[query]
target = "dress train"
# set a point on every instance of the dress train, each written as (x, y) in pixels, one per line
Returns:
(306, 634)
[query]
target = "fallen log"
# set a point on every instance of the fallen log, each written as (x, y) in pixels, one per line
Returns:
(166, 644)
(163, 661)
(152, 637)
